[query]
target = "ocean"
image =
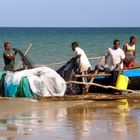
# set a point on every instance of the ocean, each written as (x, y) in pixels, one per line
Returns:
(51, 45)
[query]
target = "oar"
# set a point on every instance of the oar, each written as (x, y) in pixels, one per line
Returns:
(27, 50)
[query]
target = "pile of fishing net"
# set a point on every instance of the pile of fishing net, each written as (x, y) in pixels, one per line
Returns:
(68, 71)
(37, 82)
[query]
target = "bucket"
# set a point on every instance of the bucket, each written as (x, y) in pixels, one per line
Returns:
(122, 82)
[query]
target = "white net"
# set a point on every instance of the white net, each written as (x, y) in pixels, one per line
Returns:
(43, 81)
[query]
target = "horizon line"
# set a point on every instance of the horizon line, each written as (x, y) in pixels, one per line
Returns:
(68, 27)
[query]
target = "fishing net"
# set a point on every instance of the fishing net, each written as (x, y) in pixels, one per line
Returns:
(26, 62)
(42, 81)
(68, 71)
(31, 82)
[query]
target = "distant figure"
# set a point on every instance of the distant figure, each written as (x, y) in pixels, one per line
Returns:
(114, 56)
(8, 57)
(130, 52)
(84, 63)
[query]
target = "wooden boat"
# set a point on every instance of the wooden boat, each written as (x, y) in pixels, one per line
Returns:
(104, 79)
(99, 93)
(107, 80)
(90, 96)
(132, 74)
(93, 97)
(102, 82)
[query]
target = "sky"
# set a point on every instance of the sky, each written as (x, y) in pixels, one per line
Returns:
(69, 13)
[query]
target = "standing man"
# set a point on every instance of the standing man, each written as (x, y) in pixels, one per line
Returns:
(8, 57)
(115, 56)
(130, 52)
(84, 63)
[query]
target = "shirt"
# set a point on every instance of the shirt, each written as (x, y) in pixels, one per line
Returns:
(9, 63)
(84, 62)
(115, 57)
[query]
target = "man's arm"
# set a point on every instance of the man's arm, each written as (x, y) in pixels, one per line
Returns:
(106, 57)
(78, 56)
(120, 62)
(125, 49)
(134, 53)
(9, 56)
(118, 65)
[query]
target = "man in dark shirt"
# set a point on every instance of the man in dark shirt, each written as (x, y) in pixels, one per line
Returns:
(8, 57)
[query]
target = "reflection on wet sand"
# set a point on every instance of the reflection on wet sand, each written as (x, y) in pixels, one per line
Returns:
(78, 120)
(110, 119)
(81, 118)
(7, 130)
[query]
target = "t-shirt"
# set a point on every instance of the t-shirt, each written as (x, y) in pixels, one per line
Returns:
(9, 64)
(84, 62)
(115, 57)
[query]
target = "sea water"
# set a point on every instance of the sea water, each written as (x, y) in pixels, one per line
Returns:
(51, 45)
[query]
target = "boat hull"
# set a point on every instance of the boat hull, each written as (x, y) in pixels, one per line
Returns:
(134, 81)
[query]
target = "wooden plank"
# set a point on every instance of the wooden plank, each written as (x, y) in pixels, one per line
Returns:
(97, 96)
(86, 87)
(91, 96)
(93, 75)
(4, 98)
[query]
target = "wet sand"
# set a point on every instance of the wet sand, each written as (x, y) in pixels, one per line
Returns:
(25, 119)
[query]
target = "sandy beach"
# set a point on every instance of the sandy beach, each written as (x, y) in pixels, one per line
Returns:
(22, 119)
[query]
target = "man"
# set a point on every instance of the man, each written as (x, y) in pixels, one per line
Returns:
(84, 63)
(8, 57)
(130, 52)
(115, 56)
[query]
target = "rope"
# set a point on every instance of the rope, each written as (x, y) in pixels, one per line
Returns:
(63, 62)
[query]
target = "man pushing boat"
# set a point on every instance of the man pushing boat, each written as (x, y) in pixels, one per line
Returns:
(84, 63)
(115, 56)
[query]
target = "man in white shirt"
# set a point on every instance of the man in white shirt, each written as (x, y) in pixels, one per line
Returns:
(115, 56)
(84, 62)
